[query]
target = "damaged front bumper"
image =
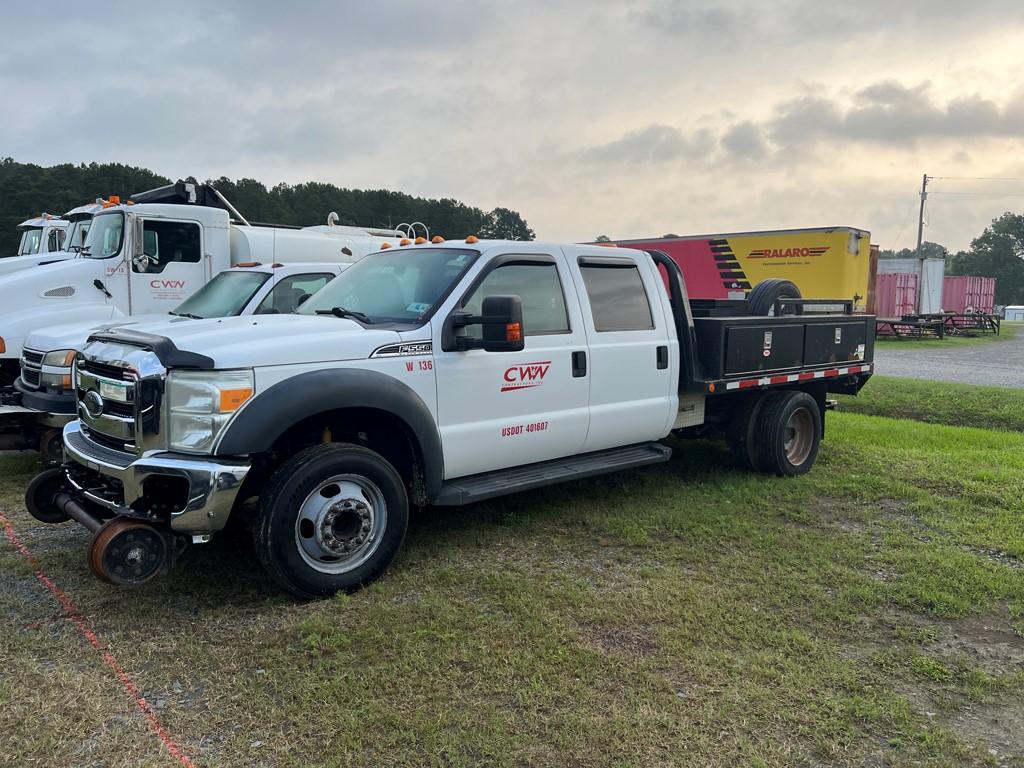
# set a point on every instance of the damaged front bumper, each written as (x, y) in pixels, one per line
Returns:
(195, 493)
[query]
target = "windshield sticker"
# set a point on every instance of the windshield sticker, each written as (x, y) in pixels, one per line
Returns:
(417, 307)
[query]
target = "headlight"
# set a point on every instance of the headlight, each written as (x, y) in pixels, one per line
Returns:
(201, 403)
(61, 357)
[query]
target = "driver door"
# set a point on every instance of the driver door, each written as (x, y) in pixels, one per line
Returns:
(173, 268)
(498, 410)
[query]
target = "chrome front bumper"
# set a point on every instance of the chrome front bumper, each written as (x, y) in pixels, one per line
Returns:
(212, 485)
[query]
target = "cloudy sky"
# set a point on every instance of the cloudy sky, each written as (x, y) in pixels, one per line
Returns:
(629, 119)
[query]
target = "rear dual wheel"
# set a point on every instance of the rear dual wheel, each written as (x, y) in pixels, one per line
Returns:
(777, 433)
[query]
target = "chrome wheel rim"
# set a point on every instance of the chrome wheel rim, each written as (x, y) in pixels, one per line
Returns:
(799, 436)
(340, 524)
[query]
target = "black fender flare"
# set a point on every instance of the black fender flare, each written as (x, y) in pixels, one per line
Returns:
(271, 413)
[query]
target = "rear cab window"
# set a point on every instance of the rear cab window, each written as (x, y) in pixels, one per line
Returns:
(615, 290)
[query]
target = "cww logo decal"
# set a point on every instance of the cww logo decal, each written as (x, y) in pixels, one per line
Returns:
(525, 375)
(166, 284)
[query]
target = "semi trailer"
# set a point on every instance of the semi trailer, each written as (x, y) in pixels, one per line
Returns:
(441, 374)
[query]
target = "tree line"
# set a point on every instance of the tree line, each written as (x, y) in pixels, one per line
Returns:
(26, 190)
(997, 252)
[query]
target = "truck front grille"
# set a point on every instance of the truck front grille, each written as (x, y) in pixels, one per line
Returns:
(31, 364)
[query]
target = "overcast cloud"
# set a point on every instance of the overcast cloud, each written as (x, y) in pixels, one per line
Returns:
(632, 119)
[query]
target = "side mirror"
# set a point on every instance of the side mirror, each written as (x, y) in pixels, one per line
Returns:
(138, 238)
(502, 320)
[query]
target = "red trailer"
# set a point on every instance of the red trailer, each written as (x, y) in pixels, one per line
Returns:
(895, 295)
(966, 294)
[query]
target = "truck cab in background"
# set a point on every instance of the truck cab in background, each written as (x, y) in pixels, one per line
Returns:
(42, 234)
(152, 252)
(70, 231)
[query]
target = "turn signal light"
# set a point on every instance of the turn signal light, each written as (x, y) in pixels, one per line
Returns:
(232, 399)
(513, 332)
(3, 346)
(472, 239)
(437, 239)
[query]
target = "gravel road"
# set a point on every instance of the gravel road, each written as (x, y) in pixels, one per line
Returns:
(998, 363)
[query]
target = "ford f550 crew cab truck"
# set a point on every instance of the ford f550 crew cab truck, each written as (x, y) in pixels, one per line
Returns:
(443, 374)
(43, 400)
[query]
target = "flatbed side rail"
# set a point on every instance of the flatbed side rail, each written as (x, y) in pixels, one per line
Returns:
(722, 386)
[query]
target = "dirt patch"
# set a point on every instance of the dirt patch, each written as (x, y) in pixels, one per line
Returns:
(989, 642)
(616, 638)
(997, 556)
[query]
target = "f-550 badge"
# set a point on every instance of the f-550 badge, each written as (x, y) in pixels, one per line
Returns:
(525, 376)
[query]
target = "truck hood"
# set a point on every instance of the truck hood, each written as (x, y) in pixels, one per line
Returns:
(264, 340)
(73, 335)
(36, 298)
(18, 263)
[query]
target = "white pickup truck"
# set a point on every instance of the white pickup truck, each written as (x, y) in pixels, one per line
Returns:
(443, 374)
(43, 401)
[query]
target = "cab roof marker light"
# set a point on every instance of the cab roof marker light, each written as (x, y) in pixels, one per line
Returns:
(472, 239)
(385, 246)
(404, 241)
(437, 239)
(420, 240)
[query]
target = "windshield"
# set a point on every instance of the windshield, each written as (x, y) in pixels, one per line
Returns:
(105, 236)
(400, 286)
(31, 239)
(77, 230)
(225, 295)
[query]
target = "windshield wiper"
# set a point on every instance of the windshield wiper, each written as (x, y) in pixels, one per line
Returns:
(188, 315)
(342, 312)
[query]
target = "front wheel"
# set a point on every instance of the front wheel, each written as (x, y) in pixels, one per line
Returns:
(788, 433)
(331, 518)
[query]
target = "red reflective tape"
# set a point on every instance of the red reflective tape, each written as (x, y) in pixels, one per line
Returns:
(778, 379)
(72, 614)
(832, 372)
(748, 383)
(806, 376)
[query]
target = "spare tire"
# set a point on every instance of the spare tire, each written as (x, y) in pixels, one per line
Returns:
(761, 300)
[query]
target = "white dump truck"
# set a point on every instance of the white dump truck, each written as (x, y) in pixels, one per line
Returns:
(152, 252)
(43, 400)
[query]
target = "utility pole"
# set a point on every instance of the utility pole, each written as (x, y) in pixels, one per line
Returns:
(920, 237)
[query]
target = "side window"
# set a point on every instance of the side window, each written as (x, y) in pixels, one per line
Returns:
(55, 240)
(540, 289)
(618, 300)
(286, 296)
(167, 242)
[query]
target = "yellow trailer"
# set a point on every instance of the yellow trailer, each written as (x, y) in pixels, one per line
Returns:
(823, 263)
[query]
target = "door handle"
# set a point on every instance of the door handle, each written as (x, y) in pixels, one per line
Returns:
(579, 364)
(662, 357)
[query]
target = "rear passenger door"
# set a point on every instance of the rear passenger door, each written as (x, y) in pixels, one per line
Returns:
(633, 353)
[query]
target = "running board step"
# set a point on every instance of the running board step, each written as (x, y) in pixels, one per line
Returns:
(466, 490)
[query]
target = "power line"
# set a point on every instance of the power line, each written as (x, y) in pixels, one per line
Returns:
(979, 178)
(978, 194)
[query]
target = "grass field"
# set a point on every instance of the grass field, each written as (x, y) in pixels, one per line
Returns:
(940, 403)
(869, 613)
(1007, 331)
